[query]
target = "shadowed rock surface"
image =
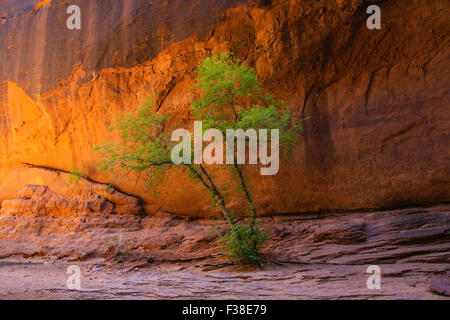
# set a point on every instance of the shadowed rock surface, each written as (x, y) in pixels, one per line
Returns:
(42, 51)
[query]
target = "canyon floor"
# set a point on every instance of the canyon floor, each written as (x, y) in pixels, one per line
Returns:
(321, 256)
(37, 279)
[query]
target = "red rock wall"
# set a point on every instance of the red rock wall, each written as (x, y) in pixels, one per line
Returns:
(377, 99)
(41, 51)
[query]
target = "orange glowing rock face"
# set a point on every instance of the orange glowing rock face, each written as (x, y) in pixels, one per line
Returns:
(376, 100)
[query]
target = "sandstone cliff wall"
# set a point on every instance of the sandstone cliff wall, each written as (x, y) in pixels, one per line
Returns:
(377, 100)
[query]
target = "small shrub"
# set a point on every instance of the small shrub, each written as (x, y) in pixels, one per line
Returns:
(243, 244)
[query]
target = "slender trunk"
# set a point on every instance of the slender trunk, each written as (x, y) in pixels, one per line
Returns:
(244, 185)
(220, 197)
(246, 191)
(252, 205)
(239, 170)
(227, 214)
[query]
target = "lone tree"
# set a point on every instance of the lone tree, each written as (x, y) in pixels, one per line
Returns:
(230, 98)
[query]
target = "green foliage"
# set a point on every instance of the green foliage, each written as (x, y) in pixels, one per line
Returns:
(75, 175)
(144, 148)
(223, 81)
(272, 118)
(232, 98)
(242, 245)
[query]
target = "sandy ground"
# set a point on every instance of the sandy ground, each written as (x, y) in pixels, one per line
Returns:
(40, 279)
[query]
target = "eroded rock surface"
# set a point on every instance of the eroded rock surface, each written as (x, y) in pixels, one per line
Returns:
(163, 257)
(42, 51)
(377, 100)
(40, 201)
